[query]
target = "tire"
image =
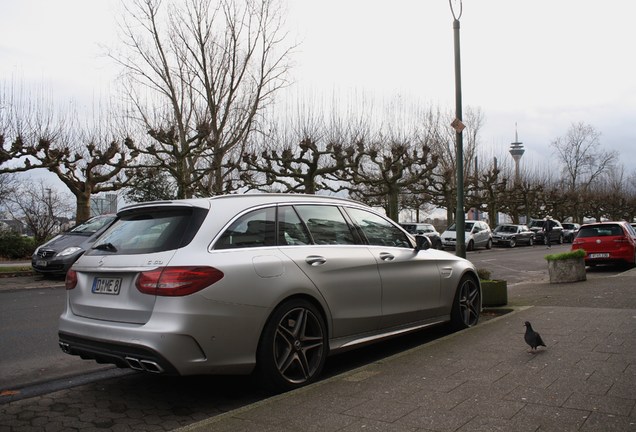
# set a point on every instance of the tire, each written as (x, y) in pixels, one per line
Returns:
(293, 346)
(470, 246)
(489, 244)
(513, 243)
(439, 245)
(531, 242)
(466, 304)
(560, 239)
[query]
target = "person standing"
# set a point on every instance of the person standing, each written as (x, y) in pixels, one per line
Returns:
(547, 229)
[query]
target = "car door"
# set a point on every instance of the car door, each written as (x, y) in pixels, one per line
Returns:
(479, 234)
(318, 239)
(410, 279)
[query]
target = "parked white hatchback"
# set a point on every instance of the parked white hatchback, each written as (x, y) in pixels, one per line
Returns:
(270, 283)
(477, 234)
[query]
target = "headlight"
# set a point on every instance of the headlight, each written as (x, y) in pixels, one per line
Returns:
(69, 251)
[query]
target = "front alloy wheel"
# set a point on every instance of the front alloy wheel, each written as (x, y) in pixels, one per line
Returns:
(467, 304)
(293, 346)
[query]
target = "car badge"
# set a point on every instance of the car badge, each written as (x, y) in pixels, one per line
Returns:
(598, 241)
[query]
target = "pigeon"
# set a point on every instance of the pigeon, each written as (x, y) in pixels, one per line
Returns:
(532, 338)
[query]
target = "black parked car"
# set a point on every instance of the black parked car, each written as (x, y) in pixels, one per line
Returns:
(556, 233)
(425, 229)
(512, 235)
(57, 255)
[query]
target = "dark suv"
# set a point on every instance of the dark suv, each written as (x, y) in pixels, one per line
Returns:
(556, 233)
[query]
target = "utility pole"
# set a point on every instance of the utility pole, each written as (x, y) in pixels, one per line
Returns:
(460, 245)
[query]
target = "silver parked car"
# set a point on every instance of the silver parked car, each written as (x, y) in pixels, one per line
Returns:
(270, 283)
(477, 234)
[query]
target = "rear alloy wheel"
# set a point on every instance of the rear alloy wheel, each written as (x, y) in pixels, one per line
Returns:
(293, 346)
(489, 244)
(470, 246)
(513, 243)
(531, 242)
(466, 305)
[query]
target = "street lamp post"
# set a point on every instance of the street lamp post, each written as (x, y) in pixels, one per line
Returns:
(460, 246)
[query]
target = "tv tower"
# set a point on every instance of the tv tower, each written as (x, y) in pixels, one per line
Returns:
(516, 151)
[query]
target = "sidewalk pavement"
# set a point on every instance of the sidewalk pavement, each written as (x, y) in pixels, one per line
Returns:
(484, 378)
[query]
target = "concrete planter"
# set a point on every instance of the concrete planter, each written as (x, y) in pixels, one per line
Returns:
(494, 293)
(567, 270)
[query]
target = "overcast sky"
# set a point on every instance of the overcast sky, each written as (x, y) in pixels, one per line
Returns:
(543, 64)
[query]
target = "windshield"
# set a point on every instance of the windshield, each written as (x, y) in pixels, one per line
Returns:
(467, 227)
(93, 225)
(506, 229)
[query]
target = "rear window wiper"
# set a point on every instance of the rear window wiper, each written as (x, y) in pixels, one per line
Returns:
(106, 246)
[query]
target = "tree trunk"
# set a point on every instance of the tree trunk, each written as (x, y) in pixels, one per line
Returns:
(83, 212)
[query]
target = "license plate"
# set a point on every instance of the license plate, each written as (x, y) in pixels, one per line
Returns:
(599, 255)
(106, 286)
(41, 263)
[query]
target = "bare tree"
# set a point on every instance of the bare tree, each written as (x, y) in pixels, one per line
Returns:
(199, 75)
(40, 207)
(87, 154)
(582, 160)
(387, 167)
(580, 156)
(301, 154)
(445, 185)
(8, 185)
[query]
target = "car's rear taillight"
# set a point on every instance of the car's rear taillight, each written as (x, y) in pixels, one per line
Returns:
(177, 281)
(71, 279)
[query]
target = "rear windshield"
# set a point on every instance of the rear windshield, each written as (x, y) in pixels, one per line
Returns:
(149, 231)
(600, 231)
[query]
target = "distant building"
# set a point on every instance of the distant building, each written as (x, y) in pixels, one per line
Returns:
(105, 204)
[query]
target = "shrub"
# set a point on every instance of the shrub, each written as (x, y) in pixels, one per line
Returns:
(579, 253)
(484, 274)
(15, 246)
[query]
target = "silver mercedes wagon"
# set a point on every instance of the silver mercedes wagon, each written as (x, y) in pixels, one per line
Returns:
(263, 283)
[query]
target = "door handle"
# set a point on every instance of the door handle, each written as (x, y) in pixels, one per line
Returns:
(315, 260)
(385, 256)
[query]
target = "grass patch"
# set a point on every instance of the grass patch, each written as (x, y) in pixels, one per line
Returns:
(15, 269)
(579, 253)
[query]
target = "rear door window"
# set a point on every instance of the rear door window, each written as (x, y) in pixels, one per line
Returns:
(379, 231)
(326, 224)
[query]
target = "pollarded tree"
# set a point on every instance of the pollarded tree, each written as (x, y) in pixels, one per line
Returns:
(301, 155)
(379, 172)
(444, 187)
(199, 75)
(87, 156)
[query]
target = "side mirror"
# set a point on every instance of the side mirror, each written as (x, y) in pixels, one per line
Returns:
(422, 243)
